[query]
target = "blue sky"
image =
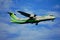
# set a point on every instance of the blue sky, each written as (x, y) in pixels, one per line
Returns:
(47, 30)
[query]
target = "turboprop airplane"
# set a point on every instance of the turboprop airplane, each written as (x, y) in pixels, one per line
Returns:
(30, 18)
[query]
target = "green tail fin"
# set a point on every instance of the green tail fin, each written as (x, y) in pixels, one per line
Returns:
(13, 16)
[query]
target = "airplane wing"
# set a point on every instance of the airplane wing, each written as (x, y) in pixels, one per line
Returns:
(23, 13)
(26, 14)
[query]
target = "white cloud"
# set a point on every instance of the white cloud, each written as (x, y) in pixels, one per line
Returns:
(46, 12)
(28, 11)
(57, 6)
(37, 35)
(5, 5)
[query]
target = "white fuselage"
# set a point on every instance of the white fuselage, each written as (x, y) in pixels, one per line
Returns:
(44, 17)
(37, 19)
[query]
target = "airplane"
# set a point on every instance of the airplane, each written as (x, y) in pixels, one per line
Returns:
(30, 18)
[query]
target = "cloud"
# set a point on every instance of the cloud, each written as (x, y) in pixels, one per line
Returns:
(5, 4)
(57, 6)
(6, 31)
(47, 12)
(43, 34)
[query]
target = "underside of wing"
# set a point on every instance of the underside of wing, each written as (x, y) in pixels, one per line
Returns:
(24, 13)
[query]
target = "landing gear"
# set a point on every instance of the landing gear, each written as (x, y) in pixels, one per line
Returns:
(36, 23)
(31, 23)
(52, 20)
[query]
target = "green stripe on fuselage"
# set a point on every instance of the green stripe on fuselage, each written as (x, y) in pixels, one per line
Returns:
(25, 21)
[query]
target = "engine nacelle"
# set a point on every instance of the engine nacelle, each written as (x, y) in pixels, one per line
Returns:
(32, 15)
